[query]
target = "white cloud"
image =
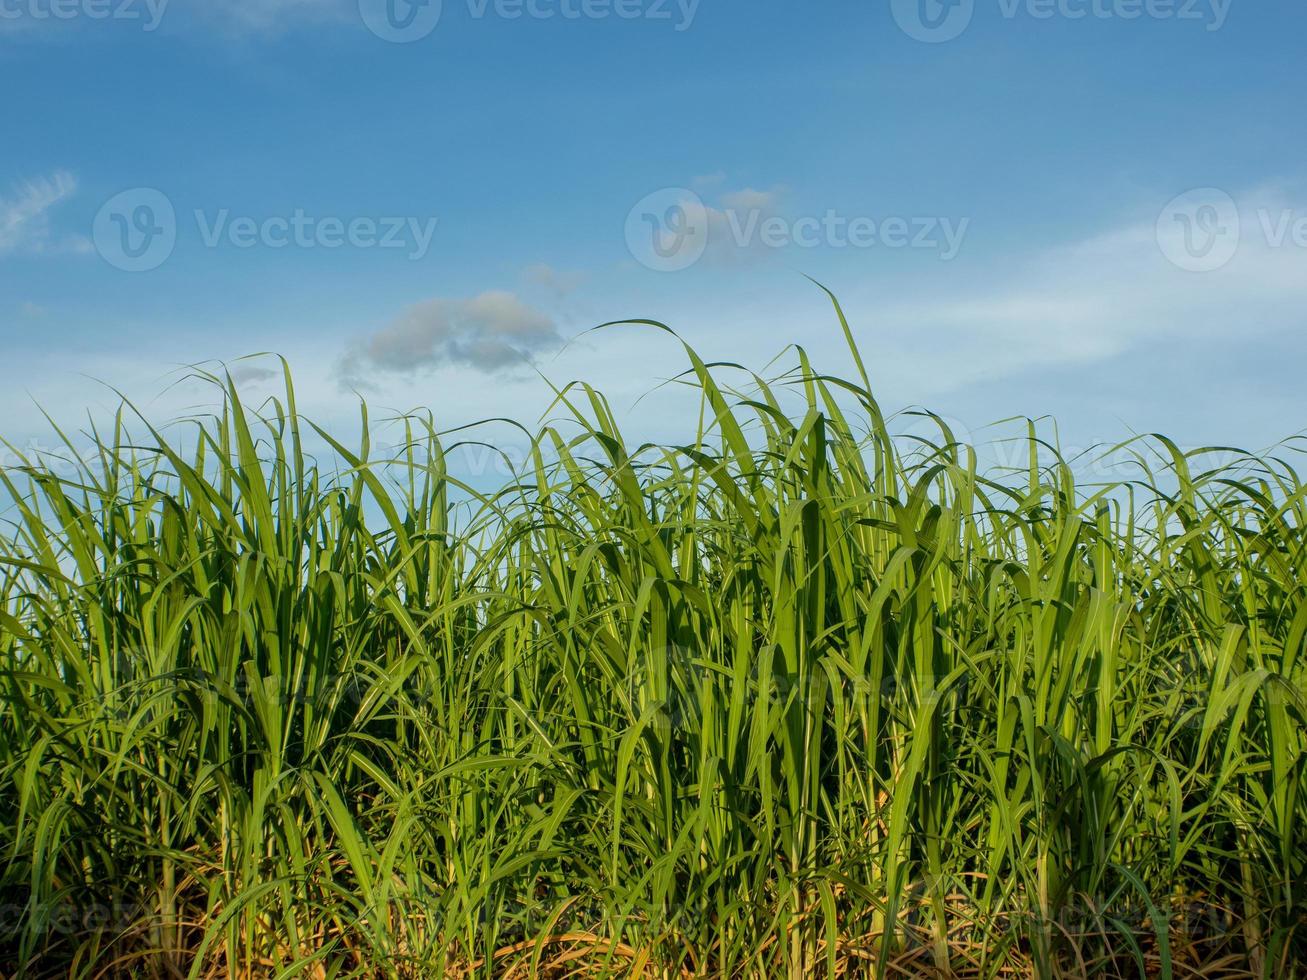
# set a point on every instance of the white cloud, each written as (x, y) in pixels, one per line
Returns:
(24, 214)
(733, 223)
(1101, 297)
(750, 199)
(558, 291)
(490, 332)
(557, 282)
(272, 16)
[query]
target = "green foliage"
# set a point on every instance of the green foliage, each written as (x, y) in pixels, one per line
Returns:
(793, 698)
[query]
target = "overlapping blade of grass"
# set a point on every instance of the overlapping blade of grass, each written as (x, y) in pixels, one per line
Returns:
(792, 697)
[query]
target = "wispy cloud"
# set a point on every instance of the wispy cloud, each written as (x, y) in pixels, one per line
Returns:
(557, 282)
(751, 199)
(558, 291)
(272, 16)
(24, 215)
(1096, 299)
(490, 332)
(733, 221)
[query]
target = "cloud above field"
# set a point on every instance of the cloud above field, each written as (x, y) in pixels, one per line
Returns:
(1100, 297)
(736, 214)
(25, 215)
(491, 332)
(253, 374)
(559, 283)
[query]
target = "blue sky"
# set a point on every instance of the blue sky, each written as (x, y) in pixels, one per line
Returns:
(1094, 209)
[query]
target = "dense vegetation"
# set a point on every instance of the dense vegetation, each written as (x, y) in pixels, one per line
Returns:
(793, 698)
